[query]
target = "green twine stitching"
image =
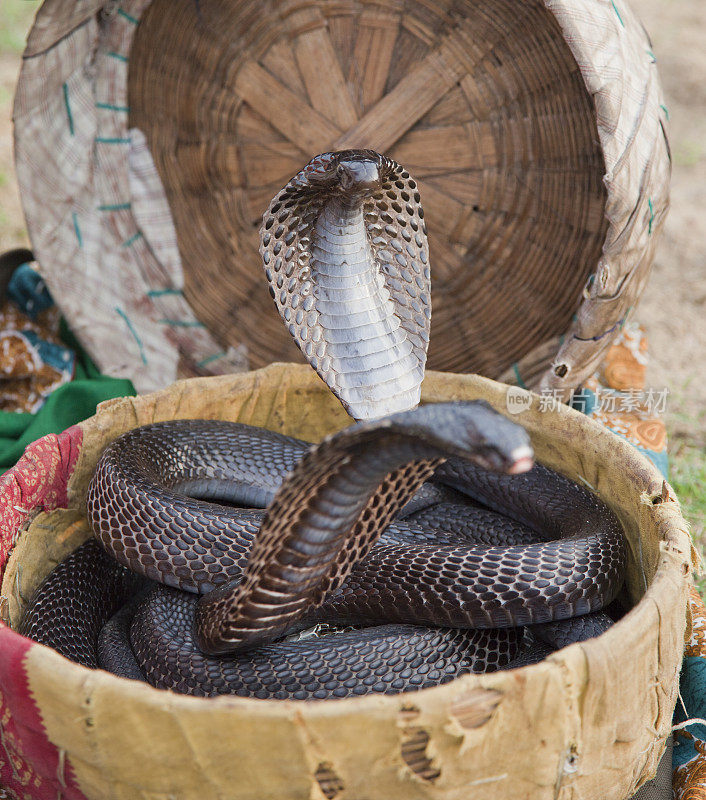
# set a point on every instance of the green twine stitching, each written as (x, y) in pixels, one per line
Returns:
(128, 17)
(133, 332)
(516, 370)
(652, 56)
(181, 323)
(132, 239)
(116, 207)
(68, 109)
(162, 292)
(652, 216)
(113, 139)
(77, 230)
(206, 361)
(615, 8)
(118, 56)
(111, 107)
(625, 318)
(666, 111)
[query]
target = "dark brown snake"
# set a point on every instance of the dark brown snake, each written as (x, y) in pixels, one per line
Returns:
(353, 533)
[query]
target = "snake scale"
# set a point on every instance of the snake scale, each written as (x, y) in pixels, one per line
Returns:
(417, 544)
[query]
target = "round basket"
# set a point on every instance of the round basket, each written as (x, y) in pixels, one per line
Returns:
(150, 137)
(590, 721)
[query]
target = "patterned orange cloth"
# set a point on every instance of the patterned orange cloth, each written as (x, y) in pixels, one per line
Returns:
(689, 782)
(615, 395)
(696, 646)
(33, 360)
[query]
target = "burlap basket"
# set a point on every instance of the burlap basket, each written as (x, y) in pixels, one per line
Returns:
(151, 135)
(588, 722)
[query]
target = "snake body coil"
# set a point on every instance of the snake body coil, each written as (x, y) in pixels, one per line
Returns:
(418, 571)
(254, 537)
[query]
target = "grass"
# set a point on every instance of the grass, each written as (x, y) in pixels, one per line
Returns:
(687, 153)
(15, 19)
(687, 462)
(688, 477)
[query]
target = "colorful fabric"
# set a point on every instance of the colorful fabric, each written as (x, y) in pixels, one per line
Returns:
(38, 481)
(615, 396)
(33, 360)
(690, 742)
(38, 352)
(30, 765)
(68, 405)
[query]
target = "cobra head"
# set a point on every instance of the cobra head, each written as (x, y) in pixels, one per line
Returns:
(345, 253)
(358, 176)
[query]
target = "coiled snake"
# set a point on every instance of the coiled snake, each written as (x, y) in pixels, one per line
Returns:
(226, 542)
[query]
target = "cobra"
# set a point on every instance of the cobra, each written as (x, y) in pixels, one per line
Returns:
(354, 533)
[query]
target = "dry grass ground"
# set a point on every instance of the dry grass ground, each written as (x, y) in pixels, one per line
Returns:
(674, 306)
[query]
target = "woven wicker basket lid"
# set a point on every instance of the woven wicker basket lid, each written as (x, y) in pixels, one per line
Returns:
(150, 137)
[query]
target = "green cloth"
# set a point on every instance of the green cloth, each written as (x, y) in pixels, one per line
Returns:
(69, 404)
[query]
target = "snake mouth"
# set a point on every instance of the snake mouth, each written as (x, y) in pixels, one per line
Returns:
(516, 461)
(521, 460)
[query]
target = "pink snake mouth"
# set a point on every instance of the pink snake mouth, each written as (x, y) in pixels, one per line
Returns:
(523, 461)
